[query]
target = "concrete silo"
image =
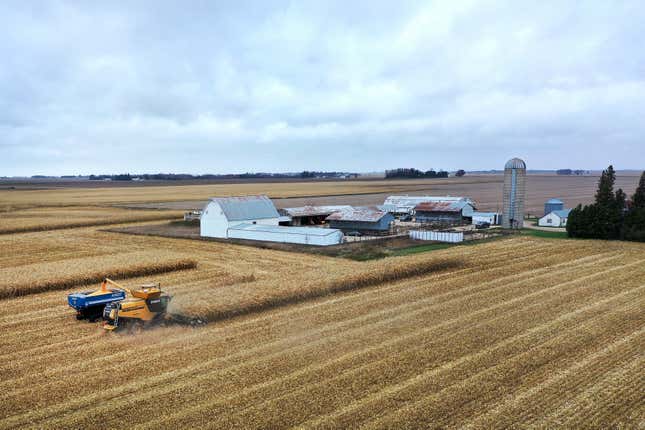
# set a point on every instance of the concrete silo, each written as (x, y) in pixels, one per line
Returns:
(514, 191)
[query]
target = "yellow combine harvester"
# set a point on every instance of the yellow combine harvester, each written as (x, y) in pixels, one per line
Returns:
(144, 305)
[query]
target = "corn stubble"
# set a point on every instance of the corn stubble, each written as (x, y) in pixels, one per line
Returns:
(520, 332)
(60, 275)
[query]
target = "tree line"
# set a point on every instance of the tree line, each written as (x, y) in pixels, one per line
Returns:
(612, 215)
(414, 173)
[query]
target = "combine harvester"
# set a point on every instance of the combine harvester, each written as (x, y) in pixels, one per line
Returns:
(145, 305)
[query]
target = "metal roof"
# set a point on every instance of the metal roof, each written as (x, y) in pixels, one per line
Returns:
(554, 201)
(310, 231)
(440, 206)
(357, 214)
(415, 200)
(314, 210)
(515, 163)
(246, 207)
(485, 213)
(562, 213)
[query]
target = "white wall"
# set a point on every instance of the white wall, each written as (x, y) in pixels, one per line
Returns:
(467, 211)
(333, 237)
(478, 219)
(437, 236)
(213, 222)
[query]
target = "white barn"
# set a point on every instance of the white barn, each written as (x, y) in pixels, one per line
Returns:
(222, 213)
(555, 218)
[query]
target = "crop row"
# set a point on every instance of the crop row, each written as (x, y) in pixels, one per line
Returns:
(262, 368)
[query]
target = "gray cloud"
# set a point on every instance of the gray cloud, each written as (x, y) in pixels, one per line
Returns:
(247, 86)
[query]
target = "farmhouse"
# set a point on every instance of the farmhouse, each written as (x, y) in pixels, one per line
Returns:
(555, 219)
(404, 205)
(271, 233)
(444, 212)
(369, 221)
(310, 215)
(222, 213)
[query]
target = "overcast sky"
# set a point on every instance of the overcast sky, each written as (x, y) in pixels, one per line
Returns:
(197, 87)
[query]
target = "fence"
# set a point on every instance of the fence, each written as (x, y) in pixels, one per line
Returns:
(439, 236)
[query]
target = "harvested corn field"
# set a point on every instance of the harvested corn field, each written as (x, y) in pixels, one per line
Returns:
(517, 332)
(53, 218)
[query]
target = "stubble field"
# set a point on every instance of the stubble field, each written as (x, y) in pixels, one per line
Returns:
(519, 332)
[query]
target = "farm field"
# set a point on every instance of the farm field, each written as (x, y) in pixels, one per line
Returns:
(486, 190)
(517, 332)
(52, 218)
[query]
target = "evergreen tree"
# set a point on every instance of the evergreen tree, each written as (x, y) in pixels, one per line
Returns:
(573, 221)
(638, 199)
(634, 223)
(605, 193)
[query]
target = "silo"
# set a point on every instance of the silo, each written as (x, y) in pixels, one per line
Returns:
(514, 191)
(553, 205)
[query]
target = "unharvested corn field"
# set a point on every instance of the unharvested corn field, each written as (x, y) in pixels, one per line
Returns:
(521, 332)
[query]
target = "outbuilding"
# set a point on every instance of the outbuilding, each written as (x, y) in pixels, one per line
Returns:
(404, 205)
(302, 235)
(492, 218)
(310, 215)
(450, 212)
(367, 221)
(222, 213)
(555, 219)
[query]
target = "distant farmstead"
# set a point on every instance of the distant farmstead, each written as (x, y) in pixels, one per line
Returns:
(367, 221)
(222, 213)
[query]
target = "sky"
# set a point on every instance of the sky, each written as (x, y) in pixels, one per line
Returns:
(227, 87)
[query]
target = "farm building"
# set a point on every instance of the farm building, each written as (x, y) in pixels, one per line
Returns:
(555, 218)
(369, 221)
(404, 205)
(450, 212)
(222, 213)
(553, 205)
(310, 215)
(492, 218)
(302, 235)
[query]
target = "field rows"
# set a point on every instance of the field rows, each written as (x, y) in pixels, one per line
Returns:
(542, 341)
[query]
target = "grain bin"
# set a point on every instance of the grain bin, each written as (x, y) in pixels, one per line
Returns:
(553, 205)
(514, 192)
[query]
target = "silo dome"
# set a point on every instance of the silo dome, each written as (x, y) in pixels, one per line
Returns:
(515, 163)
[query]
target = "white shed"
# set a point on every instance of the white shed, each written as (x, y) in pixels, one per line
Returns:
(492, 218)
(222, 213)
(303, 235)
(555, 219)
